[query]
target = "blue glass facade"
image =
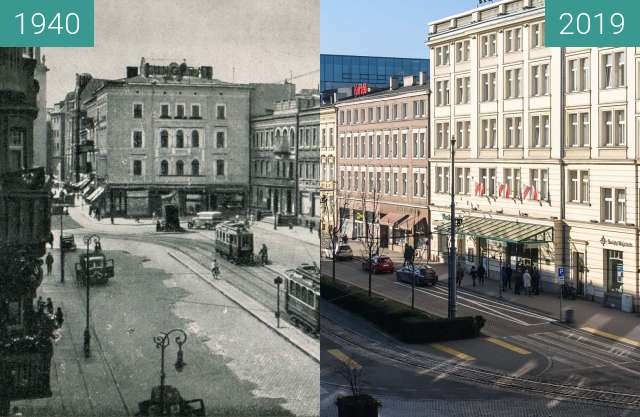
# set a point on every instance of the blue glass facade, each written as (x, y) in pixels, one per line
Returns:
(339, 71)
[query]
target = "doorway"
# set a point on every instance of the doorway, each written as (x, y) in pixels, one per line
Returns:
(578, 271)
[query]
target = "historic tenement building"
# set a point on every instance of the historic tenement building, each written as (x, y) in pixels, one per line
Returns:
(285, 158)
(25, 335)
(546, 152)
(166, 132)
(327, 168)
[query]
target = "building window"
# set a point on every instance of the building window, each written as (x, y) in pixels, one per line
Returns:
(221, 112)
(578, 129)
(164, 168)
(442, 93)
(463, 90)
(537, 35)
(137, 139)
(179, 139)
(387, 182)
(578, 186)
(488, 45)
(513, 83)
(195, 139)
(462, 51)
(220, 168)
(613, 128)
(442, 56)
(614, 266)
(370, 153)
(395, 145)
(137, 168)
(513, 132)
(442, 179)
(487, 184)
(538, 188)
(220, 142)
(463, 134)
(404, 145)
(578, 75)
(405, 110)
(180, 111)
(488, 86)
(16, 149)
(179, 168)
(442, 135)
(540, 131)
(137, 111)
(164, 139)
(195, 168)
(378, 146)
(379, 114)
(489, 134)
(513, 40)
(195, 111)
(404, 183)
(614, 205)
(463, 180)
(511, 186)
(613, 70)
(540, 80)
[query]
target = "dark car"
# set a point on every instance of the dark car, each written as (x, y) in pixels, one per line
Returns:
(379, 265)
(424, 275)
(68, 243)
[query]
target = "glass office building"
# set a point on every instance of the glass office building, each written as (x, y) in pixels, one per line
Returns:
(340, 71)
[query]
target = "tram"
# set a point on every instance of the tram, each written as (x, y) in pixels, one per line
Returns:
(302, 297)
(234, 241)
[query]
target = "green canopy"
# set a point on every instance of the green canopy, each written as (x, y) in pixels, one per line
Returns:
(501, 230)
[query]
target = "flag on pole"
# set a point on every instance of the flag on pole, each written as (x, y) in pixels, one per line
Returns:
(526, 192)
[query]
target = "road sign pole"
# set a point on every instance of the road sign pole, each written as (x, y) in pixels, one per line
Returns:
(561, 282)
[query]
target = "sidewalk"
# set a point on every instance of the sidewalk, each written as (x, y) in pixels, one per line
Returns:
(298, 233)
(586, 313)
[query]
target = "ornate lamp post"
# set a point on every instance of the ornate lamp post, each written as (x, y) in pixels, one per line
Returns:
(278, 282)
(87, 283)
(452, 248)
(162, 341)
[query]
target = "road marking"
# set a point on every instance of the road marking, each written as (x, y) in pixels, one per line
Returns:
(451, 351)
(337, 353)
(508, 345)
(611, 336)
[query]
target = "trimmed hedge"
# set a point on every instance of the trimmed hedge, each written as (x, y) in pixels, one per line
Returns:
(409, 326)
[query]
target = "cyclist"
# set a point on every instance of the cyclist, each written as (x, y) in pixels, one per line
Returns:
(215, 270)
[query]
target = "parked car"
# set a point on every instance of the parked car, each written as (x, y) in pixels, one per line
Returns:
(424, 275)
(205, 220)
(344, 252)
(379, 265)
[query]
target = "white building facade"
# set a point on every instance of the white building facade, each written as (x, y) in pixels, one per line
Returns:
(546, 150)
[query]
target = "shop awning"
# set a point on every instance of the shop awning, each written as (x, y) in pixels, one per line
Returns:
(80, 185)
(392, 218)
(95, 195)
(501, 230)
(86, 191)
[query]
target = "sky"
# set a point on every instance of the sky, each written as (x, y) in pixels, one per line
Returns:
(381, 27)
(264, 40)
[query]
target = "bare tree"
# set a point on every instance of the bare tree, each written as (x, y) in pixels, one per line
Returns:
(336, 223)
(370, 202)
(351, 371)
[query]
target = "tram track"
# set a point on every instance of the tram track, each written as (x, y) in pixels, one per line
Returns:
(465, 373)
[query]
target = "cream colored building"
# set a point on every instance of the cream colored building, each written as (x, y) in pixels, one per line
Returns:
(327, 166)
(546, 154)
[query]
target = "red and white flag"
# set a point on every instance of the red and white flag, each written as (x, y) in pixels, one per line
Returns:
(536, 194)
(507, 192)
(525, 193)
(501, 190)
(479, 188)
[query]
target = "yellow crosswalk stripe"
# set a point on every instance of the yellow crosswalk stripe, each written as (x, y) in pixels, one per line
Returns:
(336, 353)
(611, 336)
(507, 345)
(451, 351)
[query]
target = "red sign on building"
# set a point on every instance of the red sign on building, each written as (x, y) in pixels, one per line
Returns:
(360, 89)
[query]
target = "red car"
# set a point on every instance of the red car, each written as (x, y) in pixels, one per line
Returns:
(379, 265)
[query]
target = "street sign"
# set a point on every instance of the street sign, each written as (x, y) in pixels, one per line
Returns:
(561, 275)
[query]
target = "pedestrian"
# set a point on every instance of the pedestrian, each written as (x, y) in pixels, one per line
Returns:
(481, 273)
(215, 270)
(474, 274)
(535, 281)
(49, 305)
(158, 226)
(459, 275)
(263, 254)
(517, 278)
(90, 211)
(40, 305)
(311, 224)
(98, 216)
(504, 277)
(509, 275)
(526, 280)
(49, 262)
(59, 317)
(406, 254)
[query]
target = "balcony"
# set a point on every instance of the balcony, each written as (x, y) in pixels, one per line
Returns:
(25, 219)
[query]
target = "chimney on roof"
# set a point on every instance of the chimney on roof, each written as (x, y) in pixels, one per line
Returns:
(132, 72)
(409, 81)
(394, 83)
(422, 78)
(206, 72)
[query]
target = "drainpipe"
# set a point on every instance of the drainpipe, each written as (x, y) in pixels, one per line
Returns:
(563, 219)
(428, 190)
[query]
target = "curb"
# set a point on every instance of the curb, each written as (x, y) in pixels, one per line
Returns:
(313, 355)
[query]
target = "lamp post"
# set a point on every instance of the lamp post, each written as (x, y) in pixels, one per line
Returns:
(63, 212)
(162, 341)
(87, 283)
(452, 250)
(278, 282)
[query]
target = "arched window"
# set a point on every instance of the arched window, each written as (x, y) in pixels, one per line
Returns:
(195, 167)
(195, 139)
(179, 139)
(179, 168)
(164, 139)
(293, 138)
(164, 168)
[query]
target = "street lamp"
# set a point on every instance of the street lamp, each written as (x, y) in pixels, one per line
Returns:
(87, 283)
(162, 341)
(278, 282)
(452, 248)
(63, 212)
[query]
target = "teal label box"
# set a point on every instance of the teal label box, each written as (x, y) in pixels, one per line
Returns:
(51, 23)
(592, 23)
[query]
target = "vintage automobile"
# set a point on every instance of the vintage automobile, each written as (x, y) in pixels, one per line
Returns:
(96, 266)
(205, 220)
(424, 275)
(379, 265)
(68, 243)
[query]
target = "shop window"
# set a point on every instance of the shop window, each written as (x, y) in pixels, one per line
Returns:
(614, 269)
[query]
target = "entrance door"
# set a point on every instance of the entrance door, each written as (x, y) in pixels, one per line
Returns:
(578, 272)
(276, 202)
(289, 202)
(384, 236)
